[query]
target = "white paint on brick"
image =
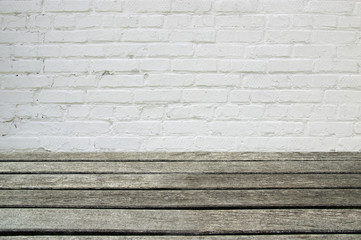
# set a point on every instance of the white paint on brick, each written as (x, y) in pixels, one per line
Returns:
(180, 75)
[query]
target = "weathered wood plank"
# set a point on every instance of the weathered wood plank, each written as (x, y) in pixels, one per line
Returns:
(178, 181)
(182, 221)
(183, 156)
(217, 237)
(181, 198)
(184, 167)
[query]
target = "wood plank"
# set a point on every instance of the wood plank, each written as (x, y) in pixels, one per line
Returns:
(182, 221)
(184, 167)
(217, 237)
(181, 198)
(39, 156)
(178, 181)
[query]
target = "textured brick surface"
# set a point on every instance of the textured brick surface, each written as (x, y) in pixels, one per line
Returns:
(180, 75)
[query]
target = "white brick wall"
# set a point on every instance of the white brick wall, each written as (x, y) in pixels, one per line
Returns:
(180, 75)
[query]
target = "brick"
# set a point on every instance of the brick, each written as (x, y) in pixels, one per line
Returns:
(66, 36)
(245, 66)
(219, 50)
(300, 96)
(117, 143)
(281, 6)
(60, 66)
(155, 65)
(147, 6)
(184, 128)
(67, 6)
(334, 37)
(342, 96)
(65, 144)
(126, 113)
(239, 96)
(75, 81)
(290, 66)
(242, 6)
(101, 112)
(349, 22)
(206, 95)
(19, 37)
(239, 36)
(115, 81)
(192, 36)
(64, 21)
(349, 51)
(27, 82)
(137, 128)
(151, 21)
(157, 95)
(314, 51)
(217, 80)
(108, 5)
(302, 20)
(314, 81)
(232, 21)
(86, 128)
(288, 36)
(170, 50)
(278, 21)
(227, 112)
(152, 113)
(253, 22)
(216, 143)
(108, 96)
(229, 128)
(348, 112)
(351, 82)
(19, 143)
(13, 7)
(324, 21)
(20, 66)
(265, 81)
(114, 65)
(317, 6)
(313, 143)
(194, 65)
(349, 144)
(336, 66)
(330, 129)
(178, 21)
(176, 143)
(145, 36)
(161, 80)
(60, 96)
(16, 97)
(194, 111)
(269, 128)
(267, 51)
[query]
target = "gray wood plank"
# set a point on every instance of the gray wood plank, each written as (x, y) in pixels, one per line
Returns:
(178, 181)
(184, 167)
(181, 198)
(182, 221)
(217, 237)
(182, 156)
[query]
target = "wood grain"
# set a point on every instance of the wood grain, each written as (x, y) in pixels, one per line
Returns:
(178, 181)
(181, 198)
(183, 156)
(184, 167)
(182, 221)
(217, 237)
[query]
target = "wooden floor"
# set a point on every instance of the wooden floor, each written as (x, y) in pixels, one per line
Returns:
(178, 196)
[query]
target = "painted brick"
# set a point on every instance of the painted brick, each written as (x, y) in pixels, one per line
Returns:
(180, 75)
